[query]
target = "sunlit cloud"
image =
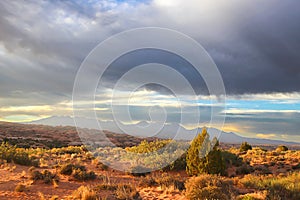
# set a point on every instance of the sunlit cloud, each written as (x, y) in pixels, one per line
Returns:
(22, 118)
(276, 96)
(265, 136)
(252, 111)
(41, 109)
(232, 128)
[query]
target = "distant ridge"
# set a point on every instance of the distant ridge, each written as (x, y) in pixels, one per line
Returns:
(168, 131)
(33, 135)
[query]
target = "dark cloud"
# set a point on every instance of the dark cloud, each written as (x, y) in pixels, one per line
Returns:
(256, 49)
(263, 56)
(139, 57)
(256, 52)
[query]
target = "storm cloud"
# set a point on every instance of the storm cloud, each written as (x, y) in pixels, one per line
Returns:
(255, 45)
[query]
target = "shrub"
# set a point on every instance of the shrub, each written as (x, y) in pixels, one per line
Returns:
(20, 188)
(83, 175)
(36, 175)
(278, 187)
(84, 193)
(179, 185)
(106, 186)
(46, 176)
(163, 180)
(178, 164)
(69, 150)
(67, 169)
(166, 180)
(248, 197)
(244, 169)
(21, 157)
(147, 181)
(245, 147)
(209, 187)
(160, 154)
(148, 147)
(232, 159)
(102, 166)
(79, 172)
(204, 156)
(49, 178)
(295, 167)
(126, 192)
(281, 148)
(17, 155)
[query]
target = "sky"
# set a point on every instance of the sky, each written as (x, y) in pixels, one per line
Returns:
(255, 45)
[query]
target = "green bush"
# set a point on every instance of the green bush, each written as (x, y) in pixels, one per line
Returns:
(69, 150)
(148, 147)
(83, 175)
(67, 169)
(232, 159)
(244, 169)
(245, 147)
(203, 156)
(160, 154)
(46, 176)
(17, 155)
(21, 157)
(79, 172)
(209, 187)
(179, 164)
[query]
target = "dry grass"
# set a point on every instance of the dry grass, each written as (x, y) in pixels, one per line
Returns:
(83, 193)
(21, 188)
(277, 187)
(209, 187)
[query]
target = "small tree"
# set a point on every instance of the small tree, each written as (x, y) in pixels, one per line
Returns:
(215, 161)
(204, 156)
(245, 147)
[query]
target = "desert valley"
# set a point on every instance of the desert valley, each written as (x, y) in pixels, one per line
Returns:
(40, 162)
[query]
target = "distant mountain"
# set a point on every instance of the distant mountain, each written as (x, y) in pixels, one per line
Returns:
(33, 135)
(65, 121)
(81, 123)
(145, 129)
(55, 121)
